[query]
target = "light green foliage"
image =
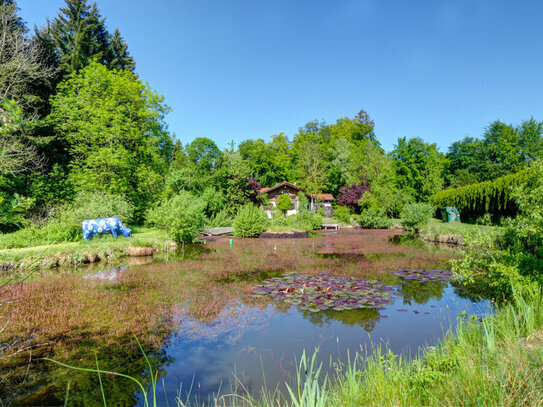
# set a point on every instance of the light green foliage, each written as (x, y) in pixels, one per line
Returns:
(384, 195)
(416, 216)
(271, 162)
(250, 221)
(309, 392)
(181, 216)
(114, 128)
(284, 203)
(514, 257)
(203, 153)
(418, 167)
(483, 261)
(279, 219)
(492, 197)
(374, 218)
(221, 219)
(305, 219)
(343, 214)
(64, 224)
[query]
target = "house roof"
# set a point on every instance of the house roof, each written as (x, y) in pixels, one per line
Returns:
(323, 197)
(320, 197)
(276, 186)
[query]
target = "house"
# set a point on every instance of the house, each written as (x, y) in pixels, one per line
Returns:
(315, 200)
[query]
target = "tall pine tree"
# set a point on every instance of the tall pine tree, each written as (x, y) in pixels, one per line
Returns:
(79, 36)
(119, 58)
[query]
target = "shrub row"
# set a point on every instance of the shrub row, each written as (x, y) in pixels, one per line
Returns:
(492, 197)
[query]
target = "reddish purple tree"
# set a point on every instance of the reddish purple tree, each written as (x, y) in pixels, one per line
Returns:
(349, 196)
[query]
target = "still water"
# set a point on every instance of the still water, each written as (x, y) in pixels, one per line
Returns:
(213, 335)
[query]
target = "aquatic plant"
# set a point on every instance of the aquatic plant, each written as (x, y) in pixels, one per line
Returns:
(424, 275)
(327, 291)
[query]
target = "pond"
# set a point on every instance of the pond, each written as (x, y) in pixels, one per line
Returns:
(225, 316)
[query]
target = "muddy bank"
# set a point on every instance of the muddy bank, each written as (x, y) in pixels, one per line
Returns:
(450, 239)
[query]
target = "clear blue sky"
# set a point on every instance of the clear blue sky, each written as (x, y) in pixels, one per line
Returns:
(233, 70)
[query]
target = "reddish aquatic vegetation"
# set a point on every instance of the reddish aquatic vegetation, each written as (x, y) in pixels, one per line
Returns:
(148, 300)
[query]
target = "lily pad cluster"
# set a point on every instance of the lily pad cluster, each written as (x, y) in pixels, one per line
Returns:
(424, 275)
(327, 291)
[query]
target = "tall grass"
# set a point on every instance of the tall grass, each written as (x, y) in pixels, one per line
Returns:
(496, 361)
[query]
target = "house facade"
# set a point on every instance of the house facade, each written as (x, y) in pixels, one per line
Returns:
(315, 200)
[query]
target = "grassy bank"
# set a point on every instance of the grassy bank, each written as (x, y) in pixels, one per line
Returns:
(496, 361)
(96, 249)
(455, 233)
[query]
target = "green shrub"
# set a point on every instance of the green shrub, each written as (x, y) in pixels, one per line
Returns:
(221, 219)
(373, 218)
(343, 214)
(12, 212)
(492, 197)
(181, 216)
(279, 219)
(284, 203)
(250, 221)
(416, 215)
(64, 223)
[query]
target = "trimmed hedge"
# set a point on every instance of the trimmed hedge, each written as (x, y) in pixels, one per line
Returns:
(492, 197)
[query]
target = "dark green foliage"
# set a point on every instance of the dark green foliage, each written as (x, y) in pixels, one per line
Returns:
(476, 200)
(503, 149)
(374, 218)
(118, 53)
(250, 221)
(416, 216)
(284, 203)
(181, 216)
(12, 212)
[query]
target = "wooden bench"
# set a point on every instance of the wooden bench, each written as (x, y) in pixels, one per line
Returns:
(332, 226)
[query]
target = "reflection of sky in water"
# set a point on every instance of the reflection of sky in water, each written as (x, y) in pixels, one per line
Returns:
(248, 340)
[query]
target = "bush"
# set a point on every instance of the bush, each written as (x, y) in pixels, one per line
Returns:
(250, 221)
(221, 219)
(373, 218)
(343, 214)
(416, 215)
(279, 219)
(181, 216)
(284, 203)
(64, 224)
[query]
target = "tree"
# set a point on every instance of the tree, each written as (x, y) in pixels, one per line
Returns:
(203, 153)
(418, 167)
(118, 53)
(17, 153)
(22, 67)
(351, 196)
(79, 36)
(284, 203)
(114, 127)
(181, 216)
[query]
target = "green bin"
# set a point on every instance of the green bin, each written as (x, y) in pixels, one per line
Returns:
(449, 214)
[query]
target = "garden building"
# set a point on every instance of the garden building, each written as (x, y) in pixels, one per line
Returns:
(315, 200)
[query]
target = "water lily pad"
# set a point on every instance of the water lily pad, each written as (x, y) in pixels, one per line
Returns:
(327, 291)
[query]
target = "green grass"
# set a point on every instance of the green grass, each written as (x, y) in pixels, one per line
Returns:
(99, 244)
(438, 228)
(496, 361)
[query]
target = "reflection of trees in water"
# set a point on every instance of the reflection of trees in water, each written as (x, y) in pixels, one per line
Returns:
(477, 291)
(46, 383)
(421, 292)
(367, 318)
